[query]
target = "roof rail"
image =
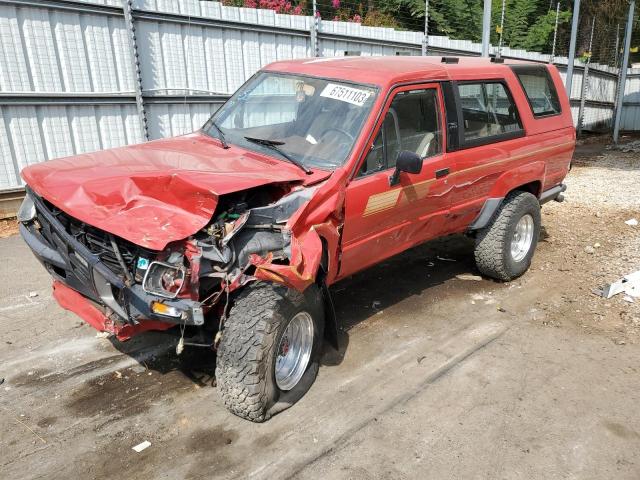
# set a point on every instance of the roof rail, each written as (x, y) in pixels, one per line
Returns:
(450, 60)
(497, 59)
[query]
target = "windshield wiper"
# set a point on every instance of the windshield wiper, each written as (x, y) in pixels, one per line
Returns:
(225, 145)
(275, 146)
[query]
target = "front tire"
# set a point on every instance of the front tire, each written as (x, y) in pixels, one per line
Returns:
(505, 247)
(269, 354)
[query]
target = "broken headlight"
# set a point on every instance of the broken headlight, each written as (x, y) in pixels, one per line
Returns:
(163, 280)
(27, 211)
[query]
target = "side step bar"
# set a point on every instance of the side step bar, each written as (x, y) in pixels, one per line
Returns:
(554, 193)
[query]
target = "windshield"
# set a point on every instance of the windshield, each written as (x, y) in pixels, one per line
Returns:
(313, 121)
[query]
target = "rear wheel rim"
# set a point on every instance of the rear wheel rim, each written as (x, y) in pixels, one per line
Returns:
(522, 238)
(294, 351)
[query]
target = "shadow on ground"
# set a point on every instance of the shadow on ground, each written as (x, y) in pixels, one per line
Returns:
(356, 299)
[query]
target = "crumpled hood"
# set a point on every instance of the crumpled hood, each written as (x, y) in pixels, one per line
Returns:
(157, 192)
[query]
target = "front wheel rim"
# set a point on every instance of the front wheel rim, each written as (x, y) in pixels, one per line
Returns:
(522, 238)
(294, 351)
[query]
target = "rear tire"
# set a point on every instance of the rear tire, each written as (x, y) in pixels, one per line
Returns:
(505, 247)
(255, 342)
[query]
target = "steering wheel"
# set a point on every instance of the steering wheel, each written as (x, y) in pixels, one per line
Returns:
(339, 130)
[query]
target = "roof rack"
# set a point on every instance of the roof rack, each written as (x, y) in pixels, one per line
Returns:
(450, 60)
(497, 59)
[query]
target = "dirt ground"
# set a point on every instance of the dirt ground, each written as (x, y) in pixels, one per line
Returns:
(437, 377)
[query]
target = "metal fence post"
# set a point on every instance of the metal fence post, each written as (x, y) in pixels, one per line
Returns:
(315, 26)
(572, 46)
(425, 40)
(499, 53)
(585, 81)
(133, 46)
(486, 28)
(623, 73)
(555, 34)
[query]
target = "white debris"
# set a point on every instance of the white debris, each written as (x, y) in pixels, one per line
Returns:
(628, 298)
(142, 446)
(632, 222)
(630, 285)
(469, 276)
(33, 294)
(103, 334)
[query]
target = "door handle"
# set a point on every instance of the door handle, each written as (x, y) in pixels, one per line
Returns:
(442, 172)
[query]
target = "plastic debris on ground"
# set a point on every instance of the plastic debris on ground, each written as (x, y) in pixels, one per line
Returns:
(630, 285)
(33, 294)
(469, 276)
(142, 446)
(632, 222)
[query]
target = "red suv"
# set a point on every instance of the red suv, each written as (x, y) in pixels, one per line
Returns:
(313, 170)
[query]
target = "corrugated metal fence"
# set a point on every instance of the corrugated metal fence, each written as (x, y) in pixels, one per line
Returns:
(69, 82)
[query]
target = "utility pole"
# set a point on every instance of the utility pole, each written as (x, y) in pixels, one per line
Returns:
(555, 34)
(572, 46)
(623, 73)
(425, 40)
(486, 28)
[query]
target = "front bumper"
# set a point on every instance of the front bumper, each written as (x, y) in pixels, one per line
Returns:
(75, 267)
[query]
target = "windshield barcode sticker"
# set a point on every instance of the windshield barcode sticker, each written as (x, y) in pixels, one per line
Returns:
(354, 96)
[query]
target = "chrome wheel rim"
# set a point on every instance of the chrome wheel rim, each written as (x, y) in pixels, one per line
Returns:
(294, 351)
(522, 238)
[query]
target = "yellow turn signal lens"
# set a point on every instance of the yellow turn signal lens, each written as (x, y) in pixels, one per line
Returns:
(163, 309)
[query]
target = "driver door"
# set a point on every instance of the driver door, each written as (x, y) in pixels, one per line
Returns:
(382, 220)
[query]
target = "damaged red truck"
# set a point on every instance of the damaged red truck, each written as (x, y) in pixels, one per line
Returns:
(313, 170)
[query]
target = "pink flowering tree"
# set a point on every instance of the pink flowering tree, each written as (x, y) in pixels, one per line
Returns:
(337, 10)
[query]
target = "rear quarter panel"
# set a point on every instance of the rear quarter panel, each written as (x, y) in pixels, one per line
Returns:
(554, 136)
(541, 157)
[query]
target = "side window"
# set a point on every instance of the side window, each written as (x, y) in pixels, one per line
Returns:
(540, 90)
(412, 123)
(487, 111)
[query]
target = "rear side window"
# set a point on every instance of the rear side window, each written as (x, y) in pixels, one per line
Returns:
(540, 90)
(488, 113)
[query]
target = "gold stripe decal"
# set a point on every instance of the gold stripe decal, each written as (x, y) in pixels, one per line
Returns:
(381, 201)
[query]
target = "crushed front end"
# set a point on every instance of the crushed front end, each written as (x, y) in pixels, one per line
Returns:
(122, 288)
(98, 275)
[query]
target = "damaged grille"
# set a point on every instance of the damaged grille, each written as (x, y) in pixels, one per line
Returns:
(98, 242)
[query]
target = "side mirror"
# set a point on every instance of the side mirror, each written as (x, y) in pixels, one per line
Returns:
(407, 161)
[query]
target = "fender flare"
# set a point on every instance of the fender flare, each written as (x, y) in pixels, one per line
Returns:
(509, 181)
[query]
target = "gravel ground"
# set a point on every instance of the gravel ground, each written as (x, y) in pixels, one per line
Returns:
(8, 227)
(587, 243)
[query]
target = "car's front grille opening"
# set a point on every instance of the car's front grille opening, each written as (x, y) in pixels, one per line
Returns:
(97, 242)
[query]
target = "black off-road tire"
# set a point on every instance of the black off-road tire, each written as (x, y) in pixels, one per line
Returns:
(493, 243)
(247, 352)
